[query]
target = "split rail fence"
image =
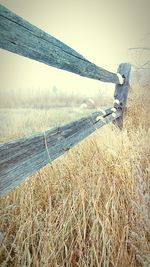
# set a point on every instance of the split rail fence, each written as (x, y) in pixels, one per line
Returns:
(21, 158)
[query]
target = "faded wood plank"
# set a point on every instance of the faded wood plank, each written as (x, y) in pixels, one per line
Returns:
(19, 159)
(21, 37)
(121, 92)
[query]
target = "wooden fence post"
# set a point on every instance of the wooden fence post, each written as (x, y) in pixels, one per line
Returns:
(121, 92)
(21, 158)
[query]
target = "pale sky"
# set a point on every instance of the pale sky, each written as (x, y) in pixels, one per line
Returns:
(100, 30)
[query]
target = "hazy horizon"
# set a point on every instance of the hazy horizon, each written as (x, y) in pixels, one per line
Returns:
(102, 31)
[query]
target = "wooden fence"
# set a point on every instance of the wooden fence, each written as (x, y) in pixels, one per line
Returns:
(22, 157)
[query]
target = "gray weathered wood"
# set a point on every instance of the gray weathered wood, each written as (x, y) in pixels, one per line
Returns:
(21, 37)
(121, 92)
(21, 158)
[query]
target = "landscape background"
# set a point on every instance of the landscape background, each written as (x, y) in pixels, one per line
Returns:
(91, 207)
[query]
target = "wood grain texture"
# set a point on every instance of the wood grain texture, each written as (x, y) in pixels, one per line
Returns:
(21, 37)
(121, 92)
(19, 159)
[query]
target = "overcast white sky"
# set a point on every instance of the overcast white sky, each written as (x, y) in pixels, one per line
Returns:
(100, 30)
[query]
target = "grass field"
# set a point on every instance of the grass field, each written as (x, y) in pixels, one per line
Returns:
(89, 208)
(19, 122)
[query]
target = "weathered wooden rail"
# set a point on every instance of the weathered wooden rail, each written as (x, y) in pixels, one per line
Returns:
(21, 158)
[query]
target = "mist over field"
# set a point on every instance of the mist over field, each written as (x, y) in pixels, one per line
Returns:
(91, 206)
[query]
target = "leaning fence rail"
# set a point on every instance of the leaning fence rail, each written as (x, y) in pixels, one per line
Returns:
(21, 158)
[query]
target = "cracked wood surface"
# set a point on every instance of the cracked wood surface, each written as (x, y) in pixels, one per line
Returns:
(23, 38)
(121, 92)
(21, 158)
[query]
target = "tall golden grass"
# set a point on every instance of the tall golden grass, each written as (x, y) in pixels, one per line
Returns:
(89, 208)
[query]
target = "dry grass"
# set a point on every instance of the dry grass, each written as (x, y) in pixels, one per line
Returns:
(21, 122)
(91, 207)
(46, 98)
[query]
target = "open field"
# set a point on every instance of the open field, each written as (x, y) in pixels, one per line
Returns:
(19, 122)
(27, 112)
(89, 208)
(47, 98)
